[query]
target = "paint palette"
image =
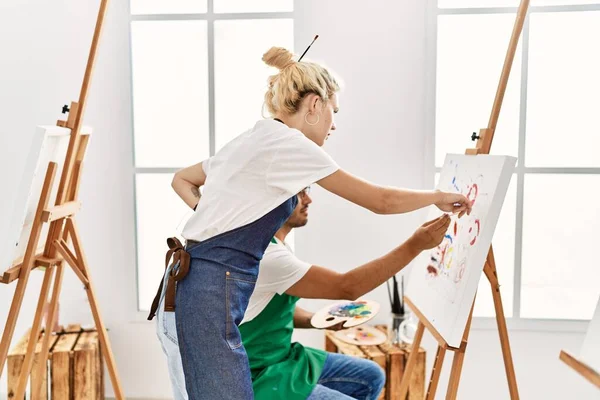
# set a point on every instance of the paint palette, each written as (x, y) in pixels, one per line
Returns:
(353, 313)
(362, 335)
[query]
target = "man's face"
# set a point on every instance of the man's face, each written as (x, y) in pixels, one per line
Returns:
(300, 215)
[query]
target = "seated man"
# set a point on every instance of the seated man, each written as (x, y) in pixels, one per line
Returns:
(285, 370)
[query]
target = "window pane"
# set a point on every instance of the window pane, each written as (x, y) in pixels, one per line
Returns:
(563, 90)
(507, 3)
(168, 7)
(470, 55)
(559, 277)
(562, 2)
(477, 3)
(504, 254)
(243, 6)
(170, 92)
(240, 74)
(160, 214)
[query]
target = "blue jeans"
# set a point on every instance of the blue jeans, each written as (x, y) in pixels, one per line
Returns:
(166, 329)
(167, 335)
(346, 377)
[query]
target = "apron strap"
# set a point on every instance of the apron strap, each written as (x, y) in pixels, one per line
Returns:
(179, 255)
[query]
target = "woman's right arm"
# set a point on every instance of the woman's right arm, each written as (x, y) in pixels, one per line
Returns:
(187, 183)
(388, 199)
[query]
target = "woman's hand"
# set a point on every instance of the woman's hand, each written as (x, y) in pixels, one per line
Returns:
(453, 202)
(430, 234)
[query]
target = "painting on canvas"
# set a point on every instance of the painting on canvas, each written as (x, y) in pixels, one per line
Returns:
(444, 287)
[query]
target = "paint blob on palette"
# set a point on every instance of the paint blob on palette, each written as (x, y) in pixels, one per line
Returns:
(362, 335)
(352, 313)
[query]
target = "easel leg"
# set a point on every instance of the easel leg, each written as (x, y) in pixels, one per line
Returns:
(412, 361)
(11, 321)
(49, 325)
(457, 363)
(436, 372)
(459, 358)
(34, 237)
(102, 335)
(490, 271)
(33, 336)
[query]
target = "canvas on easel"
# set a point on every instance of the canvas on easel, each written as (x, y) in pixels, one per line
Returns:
(444, 287)
(587, 363)
(48, 144)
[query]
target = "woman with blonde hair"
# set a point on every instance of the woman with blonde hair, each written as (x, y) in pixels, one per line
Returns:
(249, 191)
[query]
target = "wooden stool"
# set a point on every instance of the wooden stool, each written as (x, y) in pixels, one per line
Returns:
(392, 358)
(76, 367)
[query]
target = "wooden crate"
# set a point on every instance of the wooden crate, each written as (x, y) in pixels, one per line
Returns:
(74, 367)
(391, 358)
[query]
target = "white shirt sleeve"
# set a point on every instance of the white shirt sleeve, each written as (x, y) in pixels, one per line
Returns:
(279, 270)
(206, 165)
(298, 163)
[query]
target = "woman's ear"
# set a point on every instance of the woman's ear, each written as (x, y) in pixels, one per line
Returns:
(319, 104)
(314, 103)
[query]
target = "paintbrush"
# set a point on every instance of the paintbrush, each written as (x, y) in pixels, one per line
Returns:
(396, 305)
(311, 43)
(402, 297)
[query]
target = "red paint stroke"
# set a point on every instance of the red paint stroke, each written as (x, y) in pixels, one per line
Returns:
(443, 254)
(476, 189)
(455, 227)
(478, 224)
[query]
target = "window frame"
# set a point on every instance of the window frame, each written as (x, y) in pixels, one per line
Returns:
(515, 322)
(210, 17)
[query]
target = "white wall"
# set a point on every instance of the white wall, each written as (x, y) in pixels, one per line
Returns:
(378, 50)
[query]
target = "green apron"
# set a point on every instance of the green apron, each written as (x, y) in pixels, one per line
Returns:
(280, 369)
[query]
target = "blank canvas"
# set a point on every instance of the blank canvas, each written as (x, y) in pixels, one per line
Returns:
(27, 168)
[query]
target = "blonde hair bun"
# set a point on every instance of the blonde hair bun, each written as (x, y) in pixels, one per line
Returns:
(278, 57)
(294, 80)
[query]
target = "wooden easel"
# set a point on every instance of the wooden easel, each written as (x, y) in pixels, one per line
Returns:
(62, 230)
(484, 144)
(581, 368)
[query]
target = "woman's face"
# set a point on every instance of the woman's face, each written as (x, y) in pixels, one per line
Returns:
(320, 131)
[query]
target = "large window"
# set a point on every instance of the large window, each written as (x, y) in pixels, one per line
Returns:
(549, 121)
(198, 81)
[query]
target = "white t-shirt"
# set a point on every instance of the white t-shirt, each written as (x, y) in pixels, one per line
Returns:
(252, 175)
(279, 270)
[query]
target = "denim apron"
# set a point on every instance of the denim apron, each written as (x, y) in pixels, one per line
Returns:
(210, 304)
